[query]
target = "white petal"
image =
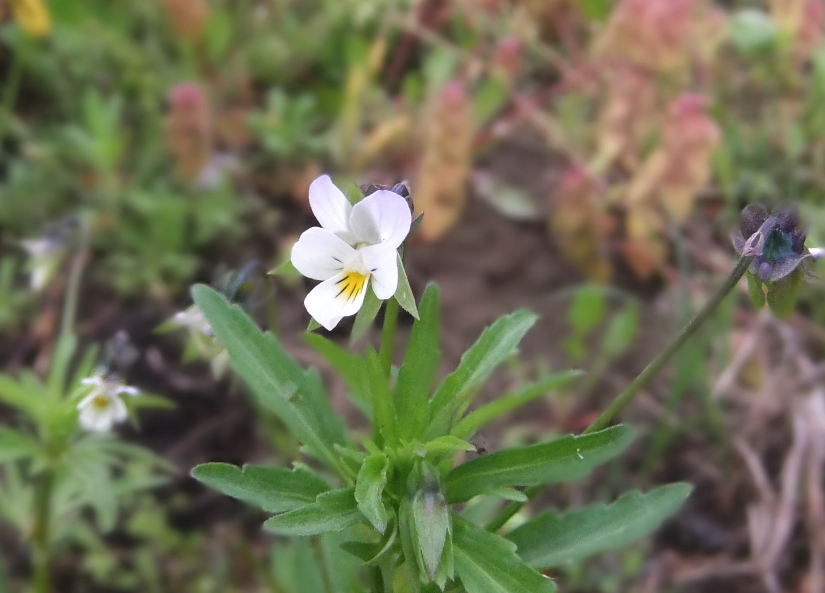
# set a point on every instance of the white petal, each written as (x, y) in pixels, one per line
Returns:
(128, 390)
(329, 205)
(817, 252)
(338, 297)
(382, 217)
(380, 260)
(118, 409)
(320, 255)
(84, 403)
(92, 418)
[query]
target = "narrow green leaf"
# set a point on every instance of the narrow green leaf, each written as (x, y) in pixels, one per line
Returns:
(495, 344)
(366, 315)
(273, 489)
(417, 374)
(350, 367)
(385, 421)
(277, 381)
(370, 553)
(312, 325)
(15, 445)
(473, 421)
(332, 511)
(553, 540)
(432, 525)
(487, 563)
(447, 445)
(369, 488)
(403, 294)
(285, 268)
(562, 460)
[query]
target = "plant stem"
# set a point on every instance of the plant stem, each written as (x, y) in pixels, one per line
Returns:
(41, 533)
(10, 92)
(652, 369)
(641, 381)
(388, 336)
(73, 290)
(377, 576)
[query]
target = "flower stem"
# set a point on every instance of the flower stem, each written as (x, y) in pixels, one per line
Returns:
(73, 290)
(641, 381)
(652, 369)
(388, 336)
(41, 533)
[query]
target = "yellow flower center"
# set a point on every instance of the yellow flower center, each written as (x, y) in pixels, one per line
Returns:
(101, 402)
(351, 285)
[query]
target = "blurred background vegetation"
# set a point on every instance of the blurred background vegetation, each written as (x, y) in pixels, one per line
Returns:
(585, 158)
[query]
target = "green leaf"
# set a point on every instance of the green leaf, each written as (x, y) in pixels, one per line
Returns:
(487, 563)
(15, 445)
(431, 517)
(370, 553)
(447, 445)
(369, 489)
(285, 268)
(587, 309)
(596, 10)
(417, 374)
(350, 367)
(495, 344)
(273, 489)
(384, 415)
(332, 511)
(312, 325)
(403, 294)
(551, 540)
(473, 421)
(277, 381)
(366, 315)
(562, 460)
(621, 331)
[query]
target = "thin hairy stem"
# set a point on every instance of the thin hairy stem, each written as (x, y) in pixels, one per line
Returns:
(643, 379)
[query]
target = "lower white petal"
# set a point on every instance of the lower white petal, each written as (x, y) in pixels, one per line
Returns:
(380, 260)
(96, 419)
(340, 296)
(320, 254)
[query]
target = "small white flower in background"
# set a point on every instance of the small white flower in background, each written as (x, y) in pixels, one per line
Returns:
(46, 254)
(103, 407)
(355, 247)
(201, 336)
(817, 252)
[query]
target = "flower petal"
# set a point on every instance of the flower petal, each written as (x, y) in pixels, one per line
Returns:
(329, 205)
(338, 297)
(382, 217)
(319, 254)
(380, 260)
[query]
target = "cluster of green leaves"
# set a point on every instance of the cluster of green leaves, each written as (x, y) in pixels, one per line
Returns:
(400, 491)
(85, 469)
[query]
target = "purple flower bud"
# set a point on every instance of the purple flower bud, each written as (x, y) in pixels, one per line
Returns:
(764, 272)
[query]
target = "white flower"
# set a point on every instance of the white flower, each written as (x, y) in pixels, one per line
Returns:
(355, 246)
(46, 255)
(103, 408)
(203, 339)
(817, 252)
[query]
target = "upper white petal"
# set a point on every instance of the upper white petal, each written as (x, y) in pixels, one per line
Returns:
(319, 254)
(380, 260)
(381, 217)
(328, 305)
(329, 205)
(817, 252)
